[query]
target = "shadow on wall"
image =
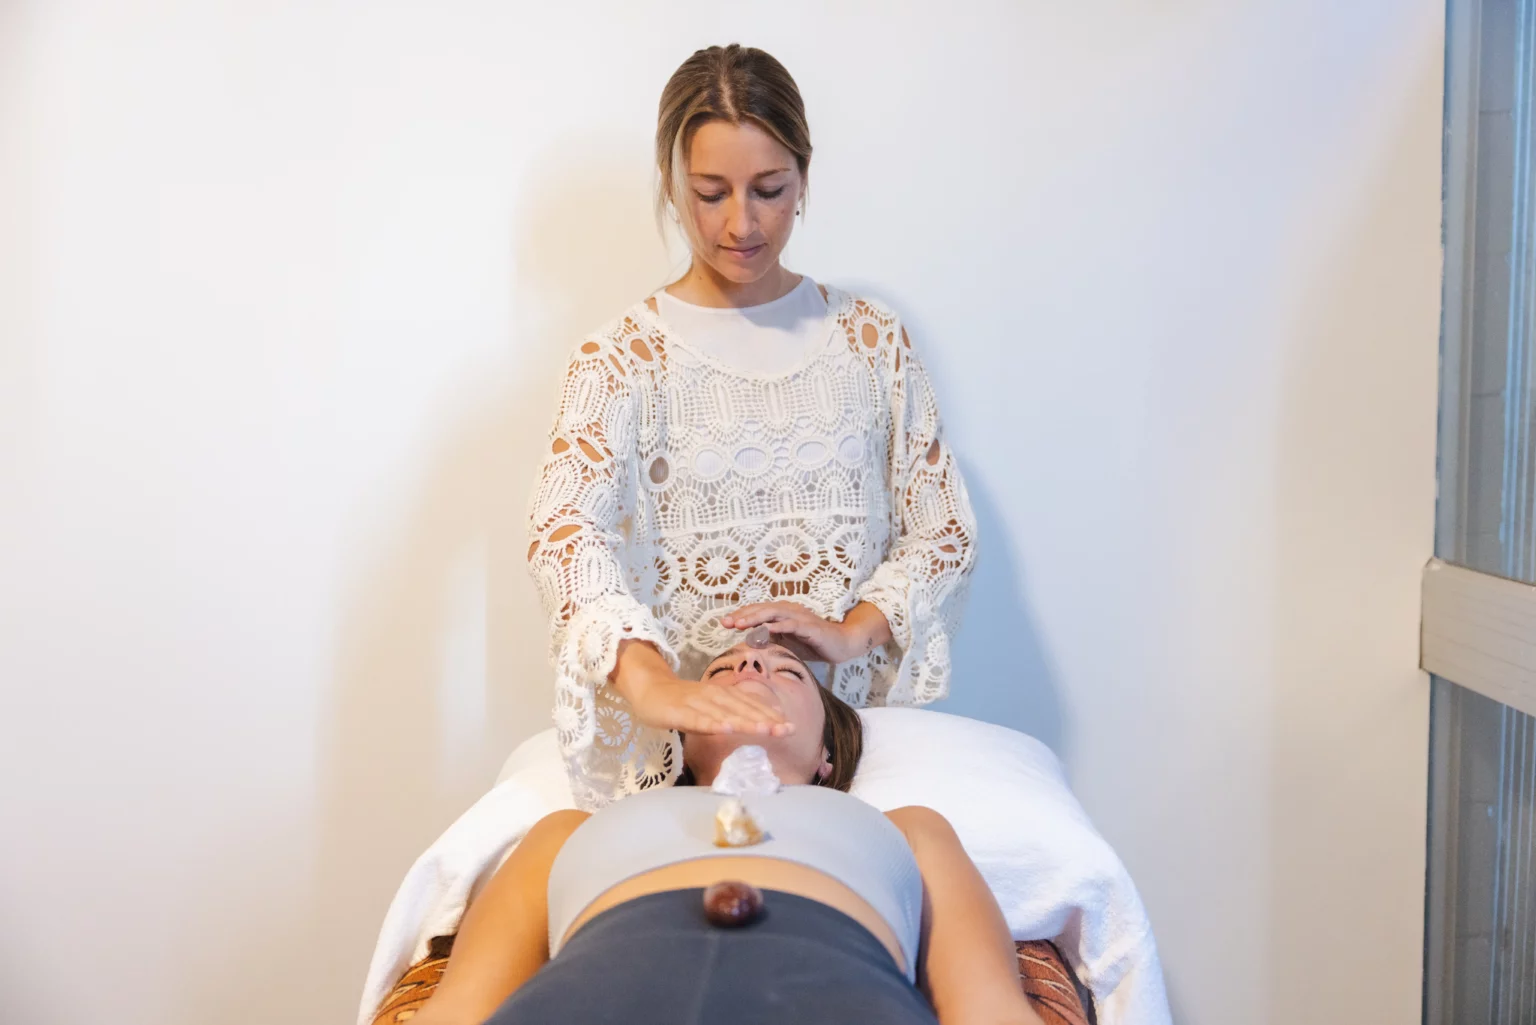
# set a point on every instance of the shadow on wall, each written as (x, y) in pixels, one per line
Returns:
(1001, 671)
(1349, 758)
(397, 765)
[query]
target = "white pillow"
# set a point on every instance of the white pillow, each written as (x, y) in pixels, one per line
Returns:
(1007, 797)
(539, 757)
(1052, 873)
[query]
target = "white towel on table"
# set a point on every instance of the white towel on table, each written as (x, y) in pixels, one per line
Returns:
(1053, 875)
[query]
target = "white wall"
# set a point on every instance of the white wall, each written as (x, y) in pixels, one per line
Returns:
(283, 292)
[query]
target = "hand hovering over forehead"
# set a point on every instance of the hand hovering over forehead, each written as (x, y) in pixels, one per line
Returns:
(813, 637)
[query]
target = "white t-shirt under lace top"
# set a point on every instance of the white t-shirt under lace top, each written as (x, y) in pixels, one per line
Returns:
(677, 487)
(770, 338)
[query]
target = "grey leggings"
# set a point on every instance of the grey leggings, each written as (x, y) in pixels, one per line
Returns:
(656, 960)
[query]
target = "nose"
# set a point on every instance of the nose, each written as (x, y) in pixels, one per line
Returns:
(739, 224)
(752, 663)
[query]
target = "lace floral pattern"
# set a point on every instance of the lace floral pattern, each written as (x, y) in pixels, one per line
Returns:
(676, 489)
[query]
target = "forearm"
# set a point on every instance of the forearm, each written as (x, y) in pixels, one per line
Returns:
(637, 663)
(972, 974)
(969, 966)
(503, 938)
(867, 627)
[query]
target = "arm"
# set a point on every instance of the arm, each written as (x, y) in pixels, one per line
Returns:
(966, 962)
(578, 502)
(504, 937)
(584, 490)
(921, 584)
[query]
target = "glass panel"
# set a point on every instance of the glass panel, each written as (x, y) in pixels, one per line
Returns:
(1480, 957)
(1497, 440)
(1481, 960)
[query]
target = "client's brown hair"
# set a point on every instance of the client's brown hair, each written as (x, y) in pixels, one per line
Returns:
(842, 736)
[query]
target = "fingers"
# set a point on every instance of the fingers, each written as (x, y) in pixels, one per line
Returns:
(736, 707)
(763, 613)
(800, 632)
(805, 629)
(696, 707)
(801, 650)
(722, 710)
(793, 625)
(690, 721)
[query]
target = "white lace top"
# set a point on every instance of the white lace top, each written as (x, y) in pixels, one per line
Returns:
(677, 488)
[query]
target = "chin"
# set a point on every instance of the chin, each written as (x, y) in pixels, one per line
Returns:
(745, 274)
(741, 275)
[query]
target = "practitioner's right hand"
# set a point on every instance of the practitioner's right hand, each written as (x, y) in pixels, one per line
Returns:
(660, 698)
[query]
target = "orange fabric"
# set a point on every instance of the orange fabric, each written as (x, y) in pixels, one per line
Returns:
(1052, 987)
(416, 985)
(1047, 980)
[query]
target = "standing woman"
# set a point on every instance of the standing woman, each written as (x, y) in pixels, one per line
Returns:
(743, 448)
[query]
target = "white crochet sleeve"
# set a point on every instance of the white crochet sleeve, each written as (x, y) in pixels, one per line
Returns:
(921, 585)
(585, 489)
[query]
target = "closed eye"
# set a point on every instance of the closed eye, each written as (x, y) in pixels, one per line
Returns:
(715, 671)
(797, 674)
(715, 197)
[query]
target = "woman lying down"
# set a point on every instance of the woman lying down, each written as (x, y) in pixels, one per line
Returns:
(838, 915)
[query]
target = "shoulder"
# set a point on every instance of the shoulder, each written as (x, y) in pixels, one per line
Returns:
(861, 307)
(628, 342)
(874, 328)
(920, 824)
(554, 829)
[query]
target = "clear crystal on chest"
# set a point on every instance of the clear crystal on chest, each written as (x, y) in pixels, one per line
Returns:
(746, 773)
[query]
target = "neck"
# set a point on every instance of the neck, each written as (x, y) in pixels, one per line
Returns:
(705, 286)
(706, 766)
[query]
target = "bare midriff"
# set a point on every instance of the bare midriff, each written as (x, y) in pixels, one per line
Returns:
(763, 873)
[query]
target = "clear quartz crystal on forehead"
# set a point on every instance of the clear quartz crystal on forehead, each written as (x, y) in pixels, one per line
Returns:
(758, 637)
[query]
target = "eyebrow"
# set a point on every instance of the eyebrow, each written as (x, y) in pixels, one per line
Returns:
(721, 177)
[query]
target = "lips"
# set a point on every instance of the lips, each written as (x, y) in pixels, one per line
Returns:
(745, 254)
(761, 688)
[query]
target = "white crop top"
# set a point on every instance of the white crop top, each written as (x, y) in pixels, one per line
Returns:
(821, 828)
(771, 338)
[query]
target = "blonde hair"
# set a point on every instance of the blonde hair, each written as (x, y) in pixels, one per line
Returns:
(732, 83)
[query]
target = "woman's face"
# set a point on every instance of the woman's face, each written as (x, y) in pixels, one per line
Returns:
(775, 676)
(743, 187)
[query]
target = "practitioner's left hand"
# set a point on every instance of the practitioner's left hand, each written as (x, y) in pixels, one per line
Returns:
(823, 640)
